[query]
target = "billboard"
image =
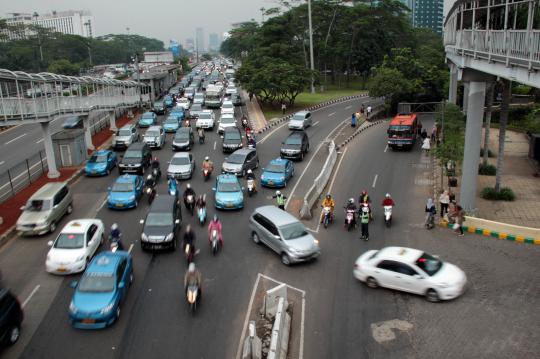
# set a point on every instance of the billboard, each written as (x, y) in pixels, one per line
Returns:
(165, 57)
(174, 46)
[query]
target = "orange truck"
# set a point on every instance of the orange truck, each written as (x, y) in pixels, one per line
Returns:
(402, 131)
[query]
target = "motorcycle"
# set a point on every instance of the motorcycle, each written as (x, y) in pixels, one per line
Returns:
(201, 214)
(190, 203)
(327, 216)
(156, 173)
(349, 219)
(151, 192)
(201, 140)
(388, 215)
(244, 122)
(206, 173)
(173, 190)
(192, 296)
(251, 187)
(214, 242)
(189, 251)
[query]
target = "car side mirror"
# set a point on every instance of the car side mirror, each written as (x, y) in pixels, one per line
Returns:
(50, 243)
(73, 284)
(120, 285)
(213, 188)
(141, 221)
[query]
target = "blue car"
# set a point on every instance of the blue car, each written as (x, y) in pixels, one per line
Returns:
(126, 192)
(101, 290)
(277, 173)
(101, 163)
(148, 119)
(229, 192)
(178, 112)
(168, 101)
(171, 124)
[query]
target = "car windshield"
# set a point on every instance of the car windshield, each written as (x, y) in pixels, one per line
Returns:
(196, 107)
(98, 159)
(199, 96)
(181, 136)
(293, 230)
(123, 132)
(275, 168)
(293, 140)
(122, 187)
(299, 117)
(205, 116)
(429, 264)
(69, 241)
(227, 120)
(228, 187)
(233, 135)
(182, 100)
(132, 154)
(158, 104)
(227, 105)
(148, 116)
(97, 282)
(171, 121)
(38, 205)
(236, 158)
(178, 161)
(159, 219)
(399, 130)
(152, 133)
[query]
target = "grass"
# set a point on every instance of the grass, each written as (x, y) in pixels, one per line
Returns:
(307, 99)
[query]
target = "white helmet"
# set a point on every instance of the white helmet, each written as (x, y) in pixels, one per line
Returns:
(278, 193)
(114, 226)
(191, 267)
(351, 200)
(388, 195)
(207, 158)
(249, 171)
(149, 177)
(188, 186)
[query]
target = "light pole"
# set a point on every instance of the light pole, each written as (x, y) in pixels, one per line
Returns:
(89, 32)
(311, 48)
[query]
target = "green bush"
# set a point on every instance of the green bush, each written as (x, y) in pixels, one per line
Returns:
(490, 153)
(487, 170)
(505, 194)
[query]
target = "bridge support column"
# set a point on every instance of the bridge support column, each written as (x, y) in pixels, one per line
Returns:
(88, 134)
(452, 85)
(473, 135)
(49, 151)
(112, 121)
(465, 97)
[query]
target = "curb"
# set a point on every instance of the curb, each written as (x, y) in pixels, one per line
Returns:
(357, 132)
(314, 107)
(493, 234)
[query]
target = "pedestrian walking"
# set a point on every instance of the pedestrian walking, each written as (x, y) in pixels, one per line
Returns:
(368, 115)
(362, 109)
(426, 145)
(452, 196)
(250, 96)
(459, 216)
(423, 135)
(434, 132)
(444, 200)
(283, 108)
(353, 120)
(364, 222)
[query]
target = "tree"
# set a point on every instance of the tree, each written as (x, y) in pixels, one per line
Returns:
(503, 121)
(451, 148)
(206, 57)
(64, 67)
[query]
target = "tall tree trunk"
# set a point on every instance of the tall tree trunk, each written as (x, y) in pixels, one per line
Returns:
(489, 104)
(350, 57)
(502, 131)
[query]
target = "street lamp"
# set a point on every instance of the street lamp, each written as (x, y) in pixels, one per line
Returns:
(311, 48)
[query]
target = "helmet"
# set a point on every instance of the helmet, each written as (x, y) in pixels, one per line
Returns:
(114, 226)
(191, 267)
(351, 200)
(364, 192)
(216, 218)
(387, 195)
(188, 228)
(328, 196)
(149, 177)
(207, 158)
(249, 171)
(278, 193)
(188, 186)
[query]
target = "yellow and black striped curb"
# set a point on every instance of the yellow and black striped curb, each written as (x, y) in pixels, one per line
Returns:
(493, 234)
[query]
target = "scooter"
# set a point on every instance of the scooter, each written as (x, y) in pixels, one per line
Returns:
(327, 216)
(189, 251)
(201, 214)
(206, 173)
(156, 173)
(214, 242)
(349, 219)
(251, 187)
(173, 190)
(388, 216)
(190, 203)
(192, 296)
(151, 192)
(244, 122)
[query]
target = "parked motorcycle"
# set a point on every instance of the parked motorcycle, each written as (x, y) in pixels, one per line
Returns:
(251, 187)
(327, 216)
(214, 242)
(388, 215)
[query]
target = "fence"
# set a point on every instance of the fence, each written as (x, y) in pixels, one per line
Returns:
(30, 169)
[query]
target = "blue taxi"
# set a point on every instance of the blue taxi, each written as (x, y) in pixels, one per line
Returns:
(168, 101)
(277, 173)
(229, 193)
(148, 119)
(171, 124)
(100, 163)
(126, 192)
(177, 112)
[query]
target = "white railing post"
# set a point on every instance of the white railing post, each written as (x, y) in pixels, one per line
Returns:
(529, 41)
(505, 47)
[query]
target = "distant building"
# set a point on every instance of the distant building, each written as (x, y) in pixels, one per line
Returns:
(213, 42)
(190, 44)
(67, 22)
(199, 40)
(428, 14)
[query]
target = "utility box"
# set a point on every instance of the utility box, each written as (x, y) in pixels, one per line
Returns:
(69, 147)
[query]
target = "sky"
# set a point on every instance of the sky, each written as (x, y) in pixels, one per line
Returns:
(163, 19)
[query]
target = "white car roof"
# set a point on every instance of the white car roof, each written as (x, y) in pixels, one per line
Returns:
(181, 154)
(156, 128)
(79, 225)
(227, 102)
(400, 254)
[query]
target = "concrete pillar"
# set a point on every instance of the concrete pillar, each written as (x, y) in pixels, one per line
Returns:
(152, 91)
(473, 137)
(112, 121)
(465, 97)
(452, 86)
(87, 134)
(49, 151)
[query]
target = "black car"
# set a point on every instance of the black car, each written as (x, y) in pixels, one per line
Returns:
(232, 139)
(11, 317)
(136, 159)
(295, 146)
(162, 224)
(158, 108)
(183, 139)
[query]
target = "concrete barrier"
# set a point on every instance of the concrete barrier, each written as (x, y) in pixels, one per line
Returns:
(319, 183)
(252, 344)
(279, 342)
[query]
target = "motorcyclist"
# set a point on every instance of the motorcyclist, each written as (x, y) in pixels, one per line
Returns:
(388, 201)
(215, 224)
(193, 277)
(189, 192)
(351, 206)
(114, 236)
(329, 202)
(251, 141)
(280, 199)
(201, 201)
(189, 238)
(207, 164)
(200, 133)
(150, 181)
(173, 187)
(251, 176)
(244, 121)
(155, 165)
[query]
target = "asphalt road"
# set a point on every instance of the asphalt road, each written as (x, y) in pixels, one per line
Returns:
(156, 322)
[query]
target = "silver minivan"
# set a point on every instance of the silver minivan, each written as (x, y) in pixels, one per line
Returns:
(240, 161)
(45, 209)
(283, 233)
(125, 136)
(300, 120)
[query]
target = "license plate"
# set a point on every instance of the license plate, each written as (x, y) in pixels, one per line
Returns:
(94, 171)
(229, 205)
(61, 269)
(270, 182)
(400, 144)
(88, 321)
(119, 205)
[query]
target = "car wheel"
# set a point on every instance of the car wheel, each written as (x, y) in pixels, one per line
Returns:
(108, 172)
(52, 227)
(13, 334)
(69, 209)
(117, 312)
(255, 238)
(302, 156)
(285, 259)
(371, 282)
(432, 296)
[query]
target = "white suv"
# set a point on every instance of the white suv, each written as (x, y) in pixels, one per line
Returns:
(227, 107)
(154, 137)
(226, 120)
(206, 120)
(184, 103)
(125, 136)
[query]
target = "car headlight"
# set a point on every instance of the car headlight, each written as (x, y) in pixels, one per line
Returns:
(443, 285)
(79, 258)
(316, 242)
(169, 236)
(72, 308)
(107, 309)
(144, 237)
(131, 198)
(282, 178)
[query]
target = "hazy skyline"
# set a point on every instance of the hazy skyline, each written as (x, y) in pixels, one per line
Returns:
(164, 20)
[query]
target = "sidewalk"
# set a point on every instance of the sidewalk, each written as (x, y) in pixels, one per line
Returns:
(255, 114)
(10, 209)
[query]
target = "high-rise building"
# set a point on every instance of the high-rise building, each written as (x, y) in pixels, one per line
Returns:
(428, 14)
(199, 40)
(189, 44)
(67, 22)
(213, 42)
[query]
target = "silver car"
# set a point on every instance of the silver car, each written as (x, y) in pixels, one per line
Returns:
(300, 120)
(45, 208)
(125, 136)
(283, 233)
(154, 137)
(240, 161)
(181, 166)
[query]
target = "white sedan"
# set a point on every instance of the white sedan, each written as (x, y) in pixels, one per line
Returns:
(183, 103)
(410, 270)
(75, 246)
(227, 108)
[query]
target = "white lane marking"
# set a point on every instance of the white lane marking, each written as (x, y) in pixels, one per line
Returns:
(331, 186)
(302, 175)
(131, 248)
(215, 144)
(375, 181)
(30, 296)
(337, 127)
(272, 132)
(348, 107)
(315, 124)
(251, 299)
(102, 204)
(1, 163)
(386, 148)
(15, 139)
(39, 141)
(331, 114)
